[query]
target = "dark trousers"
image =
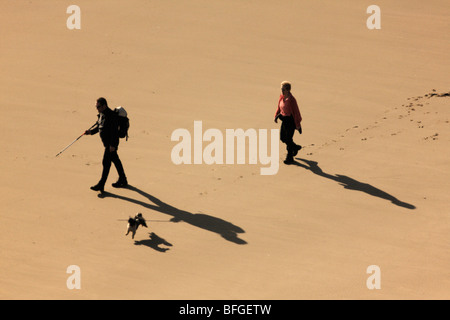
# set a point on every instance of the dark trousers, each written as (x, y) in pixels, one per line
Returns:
(113, 157)
(287, 131)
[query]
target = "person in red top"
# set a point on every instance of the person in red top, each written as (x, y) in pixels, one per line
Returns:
(290, 116)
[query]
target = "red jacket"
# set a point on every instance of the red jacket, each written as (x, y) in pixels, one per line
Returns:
(288, 106)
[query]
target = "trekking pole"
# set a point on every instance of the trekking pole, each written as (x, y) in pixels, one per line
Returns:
(74, 141)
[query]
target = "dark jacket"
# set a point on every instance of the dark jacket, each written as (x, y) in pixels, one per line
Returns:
(108, 126)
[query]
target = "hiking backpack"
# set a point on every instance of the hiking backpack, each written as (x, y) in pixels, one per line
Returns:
(124, 122)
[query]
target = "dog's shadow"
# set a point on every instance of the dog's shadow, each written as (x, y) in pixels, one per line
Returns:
(224, 228)
(154, 242)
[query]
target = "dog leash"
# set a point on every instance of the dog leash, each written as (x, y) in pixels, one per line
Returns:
(146, 220)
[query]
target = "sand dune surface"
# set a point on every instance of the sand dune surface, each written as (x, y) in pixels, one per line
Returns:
(369, 188)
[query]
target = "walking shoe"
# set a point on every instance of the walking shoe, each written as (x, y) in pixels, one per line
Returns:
(98, 187)
(121, 183)
(289, 160)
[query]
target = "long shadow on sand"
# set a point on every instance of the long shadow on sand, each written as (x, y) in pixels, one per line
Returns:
(224, 228)
(352, 184)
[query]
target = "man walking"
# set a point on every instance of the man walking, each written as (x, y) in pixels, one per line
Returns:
(108, 127)
(289, 114)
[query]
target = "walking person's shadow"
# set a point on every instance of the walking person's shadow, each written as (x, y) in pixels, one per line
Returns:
(352, 184)
(224, 228)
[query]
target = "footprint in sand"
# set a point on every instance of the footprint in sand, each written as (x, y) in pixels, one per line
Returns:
(433, 137)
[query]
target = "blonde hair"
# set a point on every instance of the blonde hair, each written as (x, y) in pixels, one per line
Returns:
(286, 85)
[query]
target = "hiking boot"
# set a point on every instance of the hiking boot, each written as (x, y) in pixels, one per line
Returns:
(98, 187)
(289, 160)
(121, 183)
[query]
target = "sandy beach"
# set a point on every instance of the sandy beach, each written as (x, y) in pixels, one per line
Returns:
(369, 188)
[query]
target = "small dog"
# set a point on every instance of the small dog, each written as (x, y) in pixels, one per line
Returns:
(133, 224)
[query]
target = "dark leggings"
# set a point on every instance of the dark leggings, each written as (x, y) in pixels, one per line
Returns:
(113, 157)
(287, 131)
